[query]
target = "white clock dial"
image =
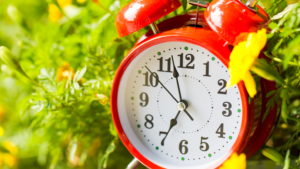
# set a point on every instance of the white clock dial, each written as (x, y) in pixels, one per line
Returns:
(208, 120)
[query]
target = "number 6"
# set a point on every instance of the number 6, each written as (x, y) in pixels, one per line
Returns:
(183, 147)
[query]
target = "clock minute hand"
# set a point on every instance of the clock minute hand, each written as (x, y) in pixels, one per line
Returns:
(173, 123)
(176, 75)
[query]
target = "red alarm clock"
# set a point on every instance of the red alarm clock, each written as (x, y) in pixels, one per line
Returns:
(169, 100)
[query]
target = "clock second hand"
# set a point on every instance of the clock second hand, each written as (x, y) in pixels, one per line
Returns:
(169, 93)
(162, 85)
(173, 123)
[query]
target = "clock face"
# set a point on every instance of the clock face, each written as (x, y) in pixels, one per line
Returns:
(182, 117)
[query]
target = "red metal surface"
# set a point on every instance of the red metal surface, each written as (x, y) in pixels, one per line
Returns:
(264, 128)
(178, 22)
(198, 36)
(232, 20)
(140, 13)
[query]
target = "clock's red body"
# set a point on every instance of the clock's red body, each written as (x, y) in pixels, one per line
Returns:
(254, 132)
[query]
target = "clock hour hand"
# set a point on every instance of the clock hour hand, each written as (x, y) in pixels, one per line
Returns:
(173, 123)
(176, 75)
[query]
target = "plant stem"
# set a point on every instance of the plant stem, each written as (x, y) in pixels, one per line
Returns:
(291, 63)
(294, 119)
(34, 82)
(107, 10)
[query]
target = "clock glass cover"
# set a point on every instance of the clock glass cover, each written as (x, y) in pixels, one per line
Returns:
(179, 119)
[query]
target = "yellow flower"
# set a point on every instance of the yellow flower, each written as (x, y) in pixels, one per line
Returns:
(2, 113)
(242, 58)
(12, 148)
(54, 12)
(63, 3)
(81, 1)
(64, 72)
(8, 159)
(235, 162)
(102, 98)
(1, 131)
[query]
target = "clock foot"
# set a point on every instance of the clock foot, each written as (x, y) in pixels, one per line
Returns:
(133, 164)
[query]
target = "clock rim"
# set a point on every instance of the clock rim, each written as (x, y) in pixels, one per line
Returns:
(180, 35)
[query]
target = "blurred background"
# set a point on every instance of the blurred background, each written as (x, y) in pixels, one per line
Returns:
(71, 48)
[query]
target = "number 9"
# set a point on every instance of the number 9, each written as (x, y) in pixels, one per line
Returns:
(144, 99)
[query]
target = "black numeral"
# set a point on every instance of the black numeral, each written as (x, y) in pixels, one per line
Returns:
(183, 148)
(187, 57)
(144, 98)
(161, 65)
(149, 124)
(207, 69)
(227, 106)
(203, 145)
(146, 79)
(152, 76)
(221, 131)
(222, 83)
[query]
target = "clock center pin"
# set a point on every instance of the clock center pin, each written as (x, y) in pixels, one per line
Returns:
(182, 105)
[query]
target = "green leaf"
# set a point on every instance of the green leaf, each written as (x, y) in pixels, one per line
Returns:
(285, 33)
(113, 130)
(266, 113)
(284, 110)
(263, 69)
(73, 149)
(76, 86)
(43, 154)
(184, 4)
(287, 160)
(103, 161)
(285, 11)
(83, 157)
(273, 25)
(271, 93)
(3, 150)
(79, 75)
(55, 156)
(273, 154)
(270, 105)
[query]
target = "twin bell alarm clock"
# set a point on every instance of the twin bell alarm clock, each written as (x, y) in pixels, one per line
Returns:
(169, 100)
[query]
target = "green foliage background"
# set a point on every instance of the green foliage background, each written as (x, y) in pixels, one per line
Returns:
(62, 124)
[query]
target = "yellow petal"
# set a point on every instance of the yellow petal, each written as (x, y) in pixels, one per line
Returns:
(250, 84)
(1, 131)
(9, 160)
(63, 3)
(81, 1)
(13, 149)
(262, 35)
(242, 58)
(54, 13)
(235, 162)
